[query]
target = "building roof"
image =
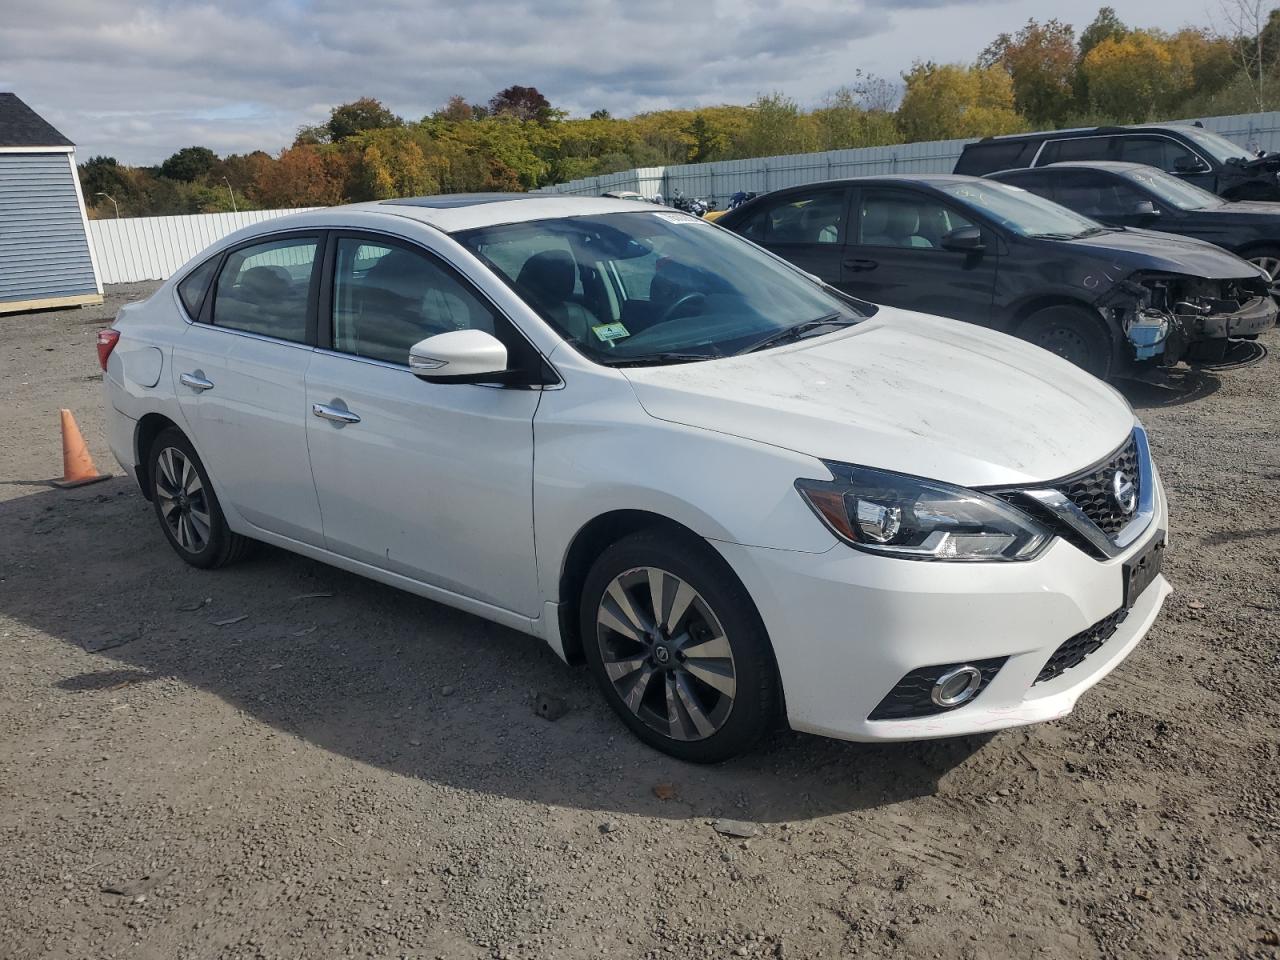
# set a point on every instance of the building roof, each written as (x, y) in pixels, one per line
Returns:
(20, 126)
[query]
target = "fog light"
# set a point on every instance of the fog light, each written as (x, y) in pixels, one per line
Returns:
(956, 686)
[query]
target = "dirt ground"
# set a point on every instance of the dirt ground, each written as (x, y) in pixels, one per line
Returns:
(284, 760)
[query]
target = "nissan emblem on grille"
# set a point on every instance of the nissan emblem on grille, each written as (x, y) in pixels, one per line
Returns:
(1125, 492)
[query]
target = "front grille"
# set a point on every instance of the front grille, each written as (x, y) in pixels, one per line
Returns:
(910, 696)
(1093, 494)
(1073, 652)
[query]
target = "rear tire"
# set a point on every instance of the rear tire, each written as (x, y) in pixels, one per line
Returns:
(1073, 334)
(697, 680)
(187, 506)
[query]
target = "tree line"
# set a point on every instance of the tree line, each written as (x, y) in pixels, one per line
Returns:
(1042, 76)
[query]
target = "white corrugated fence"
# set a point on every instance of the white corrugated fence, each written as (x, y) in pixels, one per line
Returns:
(152, 248)
(721, 180)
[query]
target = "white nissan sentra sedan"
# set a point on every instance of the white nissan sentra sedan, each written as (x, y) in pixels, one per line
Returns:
(737, 494)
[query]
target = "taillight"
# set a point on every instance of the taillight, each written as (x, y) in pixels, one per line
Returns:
(107, 340)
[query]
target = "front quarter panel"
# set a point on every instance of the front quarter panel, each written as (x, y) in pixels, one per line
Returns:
(597, 451)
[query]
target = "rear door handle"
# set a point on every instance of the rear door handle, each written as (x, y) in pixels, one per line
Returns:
(196, 382)
(860, 264)
(334, 414)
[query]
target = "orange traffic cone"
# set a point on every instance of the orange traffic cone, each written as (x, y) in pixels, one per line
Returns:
(77, 465)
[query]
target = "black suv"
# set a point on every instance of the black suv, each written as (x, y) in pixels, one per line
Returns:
(1133, 195)
(1197, 155)
(982, 251)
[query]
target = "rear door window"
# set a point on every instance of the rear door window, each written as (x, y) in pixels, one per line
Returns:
(265, 288)
(808, 218)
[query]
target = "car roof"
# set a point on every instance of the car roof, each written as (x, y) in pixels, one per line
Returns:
(453, 212)
(921, 179)
(1114, 166)
(1091, 131)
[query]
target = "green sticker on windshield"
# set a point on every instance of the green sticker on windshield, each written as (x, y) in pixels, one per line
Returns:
(610, 331)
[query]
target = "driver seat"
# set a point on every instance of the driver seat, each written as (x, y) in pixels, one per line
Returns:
(547, 279)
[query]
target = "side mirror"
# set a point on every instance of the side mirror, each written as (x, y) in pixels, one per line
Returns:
(460, 356)
(1145, 208)
(964, 239)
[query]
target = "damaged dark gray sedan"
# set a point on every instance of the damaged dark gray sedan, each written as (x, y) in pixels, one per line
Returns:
(1115, 301)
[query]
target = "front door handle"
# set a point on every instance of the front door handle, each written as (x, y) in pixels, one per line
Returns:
(860, 264)
(334, 414)
(196, 382)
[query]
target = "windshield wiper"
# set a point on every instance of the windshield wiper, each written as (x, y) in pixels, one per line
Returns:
(653, 359)
(798, 330)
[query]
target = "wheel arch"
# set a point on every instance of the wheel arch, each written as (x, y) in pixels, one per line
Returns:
(596, 536)
(149, 427)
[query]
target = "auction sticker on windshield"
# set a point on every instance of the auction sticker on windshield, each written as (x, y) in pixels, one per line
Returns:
(677, 218)
(610, 331)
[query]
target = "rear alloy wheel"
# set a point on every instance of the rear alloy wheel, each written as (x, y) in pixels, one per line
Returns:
(1072, 334)
(677, 648)
(187, 507)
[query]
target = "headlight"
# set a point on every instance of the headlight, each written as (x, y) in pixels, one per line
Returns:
(903, 516)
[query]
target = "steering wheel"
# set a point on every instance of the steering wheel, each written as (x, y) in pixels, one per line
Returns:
(680, 302)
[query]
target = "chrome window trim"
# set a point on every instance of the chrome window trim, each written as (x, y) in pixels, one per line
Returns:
(1056, 501)
(246, 333)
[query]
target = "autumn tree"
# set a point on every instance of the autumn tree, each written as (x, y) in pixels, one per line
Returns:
(456, 110)
(946, 101)
(1105, 26)
(1130, 77)
(1041, 61)
(1247, 23)
(521, 103)
(302, 176)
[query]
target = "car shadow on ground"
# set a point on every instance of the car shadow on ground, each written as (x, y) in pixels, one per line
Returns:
(1170, 388)
(386, 678)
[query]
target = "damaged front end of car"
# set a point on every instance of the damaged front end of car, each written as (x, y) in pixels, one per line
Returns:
(1169, 317)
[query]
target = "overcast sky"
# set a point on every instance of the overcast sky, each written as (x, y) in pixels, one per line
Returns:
(137, 79)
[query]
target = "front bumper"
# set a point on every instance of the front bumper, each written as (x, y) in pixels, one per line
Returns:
(847, 626)
(1255, 317)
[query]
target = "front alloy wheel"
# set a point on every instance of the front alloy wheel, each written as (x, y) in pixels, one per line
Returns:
(1270, 262)
(666, 654)
(677, 647)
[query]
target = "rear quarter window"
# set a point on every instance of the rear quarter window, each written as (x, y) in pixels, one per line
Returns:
(194, 286)
(979, 158)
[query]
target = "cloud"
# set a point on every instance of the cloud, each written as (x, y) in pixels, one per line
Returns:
(138, 79)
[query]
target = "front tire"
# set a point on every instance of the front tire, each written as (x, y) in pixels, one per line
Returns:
(1073, 334)
(1268, 258)
(187, 506)
(677, 648)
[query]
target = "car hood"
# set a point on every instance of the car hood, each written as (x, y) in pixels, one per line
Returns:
(1253, 209)
(1165, 252)
(905, 392)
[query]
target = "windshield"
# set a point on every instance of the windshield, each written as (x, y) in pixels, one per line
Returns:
(1174, 190)
(1021, 211)
(654, 286)
(1216, 145)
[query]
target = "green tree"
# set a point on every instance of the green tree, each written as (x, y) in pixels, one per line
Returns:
(189, 164)
(777, 126)
(358, 116)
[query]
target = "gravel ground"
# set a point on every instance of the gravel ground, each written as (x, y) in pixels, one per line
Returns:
(346, 770)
